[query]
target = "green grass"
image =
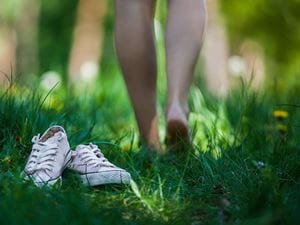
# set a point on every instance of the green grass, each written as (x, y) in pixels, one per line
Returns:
(241, 170)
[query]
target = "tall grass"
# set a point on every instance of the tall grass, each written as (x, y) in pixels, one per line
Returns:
(244, 169)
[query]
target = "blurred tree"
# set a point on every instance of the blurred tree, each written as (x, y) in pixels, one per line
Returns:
(87, 41)
(254, 73)
(218, 56)
(27, 21)
(8, 40)
(7, 53)
(19, 30)
(275, 25)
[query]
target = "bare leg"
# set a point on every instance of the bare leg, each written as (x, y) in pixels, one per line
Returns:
(185, 29)
(137, 56)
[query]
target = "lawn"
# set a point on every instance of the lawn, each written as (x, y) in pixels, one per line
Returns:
(243, 168)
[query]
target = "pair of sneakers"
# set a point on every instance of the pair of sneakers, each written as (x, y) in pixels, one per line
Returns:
(51, 155)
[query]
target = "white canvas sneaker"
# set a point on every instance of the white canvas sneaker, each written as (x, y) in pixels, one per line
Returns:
(95, 169)
(50, 155)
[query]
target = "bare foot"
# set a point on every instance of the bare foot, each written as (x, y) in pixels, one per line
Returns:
(152, 139)
(177, 126)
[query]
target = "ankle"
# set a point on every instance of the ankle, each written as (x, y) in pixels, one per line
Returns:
(178, 107)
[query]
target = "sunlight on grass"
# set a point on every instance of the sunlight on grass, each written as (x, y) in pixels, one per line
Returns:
(231, 163)
(211, 129)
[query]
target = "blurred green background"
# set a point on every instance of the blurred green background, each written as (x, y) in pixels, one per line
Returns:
(256, 40)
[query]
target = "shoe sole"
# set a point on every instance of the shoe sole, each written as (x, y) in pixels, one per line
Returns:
(50, 183)
(106, 177)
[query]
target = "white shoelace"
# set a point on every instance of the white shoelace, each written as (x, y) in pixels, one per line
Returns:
(91, 155)
(42, 156)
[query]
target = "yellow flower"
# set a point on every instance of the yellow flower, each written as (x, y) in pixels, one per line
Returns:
(126, 147)
(55, 103)
(6, 160)
(15, 90)
(279, 114)
(282, 128)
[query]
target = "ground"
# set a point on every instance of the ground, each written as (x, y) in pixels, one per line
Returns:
(242, 169)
